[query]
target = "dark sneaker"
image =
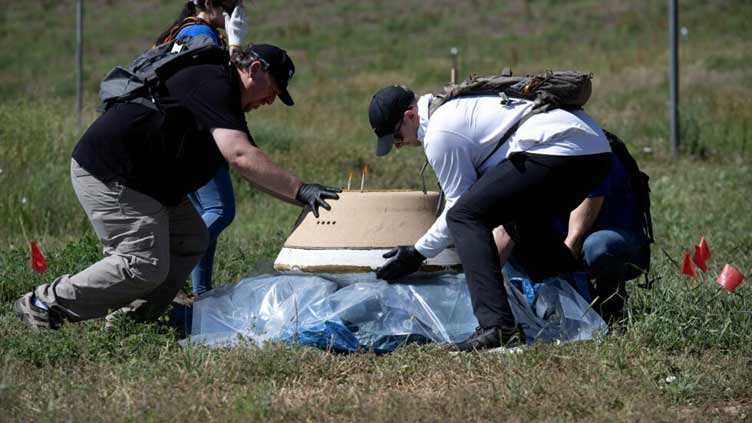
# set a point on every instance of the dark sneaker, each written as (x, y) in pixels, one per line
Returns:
(36, 318)
(493, 337)
(114, 318)
(610, 300)
(184, 299)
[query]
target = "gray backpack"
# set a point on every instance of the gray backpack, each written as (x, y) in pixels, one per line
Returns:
(142, 80)
(568, 90)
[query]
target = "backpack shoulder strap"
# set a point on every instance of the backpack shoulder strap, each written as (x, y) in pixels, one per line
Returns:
(188, 21)
(512, 129)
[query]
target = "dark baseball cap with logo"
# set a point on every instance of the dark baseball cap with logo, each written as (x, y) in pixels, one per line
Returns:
(278, 64)
(387, 108)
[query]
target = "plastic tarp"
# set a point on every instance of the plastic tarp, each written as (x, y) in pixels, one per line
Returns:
(357, 312)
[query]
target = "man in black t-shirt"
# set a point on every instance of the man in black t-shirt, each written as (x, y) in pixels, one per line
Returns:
(133, 168)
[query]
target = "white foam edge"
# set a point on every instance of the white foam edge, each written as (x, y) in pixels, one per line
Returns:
(300, 258)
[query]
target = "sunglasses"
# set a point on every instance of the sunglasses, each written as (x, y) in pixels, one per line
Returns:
(397, 130)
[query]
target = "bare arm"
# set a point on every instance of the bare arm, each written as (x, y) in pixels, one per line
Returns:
(504, 243)
(581, 220)
(255, 166)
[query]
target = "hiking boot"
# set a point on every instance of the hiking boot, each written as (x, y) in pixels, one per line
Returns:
(34, 317)
(493, 337)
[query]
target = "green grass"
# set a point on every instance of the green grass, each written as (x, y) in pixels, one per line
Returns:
(685, 331)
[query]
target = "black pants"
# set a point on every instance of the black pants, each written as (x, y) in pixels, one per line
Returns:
(524, 194)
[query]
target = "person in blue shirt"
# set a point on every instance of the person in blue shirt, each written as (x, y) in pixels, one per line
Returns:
(605, 232)
(215, 201)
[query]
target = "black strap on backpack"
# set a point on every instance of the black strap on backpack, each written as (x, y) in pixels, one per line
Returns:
(537, 108)
(512, 129)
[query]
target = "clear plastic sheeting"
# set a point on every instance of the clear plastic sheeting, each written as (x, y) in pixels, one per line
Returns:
(357, 312)
(256, 308)
(552, 310)
(558, 313)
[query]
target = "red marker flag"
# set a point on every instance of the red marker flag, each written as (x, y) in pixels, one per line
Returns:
(730, 278)
(699, 259)
(686, 268)
(38, 263)
(704, 250)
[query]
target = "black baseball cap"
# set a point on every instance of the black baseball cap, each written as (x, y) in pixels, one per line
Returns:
(387, 108)
(278, 64)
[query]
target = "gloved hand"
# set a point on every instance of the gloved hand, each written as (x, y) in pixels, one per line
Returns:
(313, 196)
(404, 261)
(236, 26)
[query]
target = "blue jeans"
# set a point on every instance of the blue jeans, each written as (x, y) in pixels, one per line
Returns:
(215, 202)
(616, 255)
(613, 257)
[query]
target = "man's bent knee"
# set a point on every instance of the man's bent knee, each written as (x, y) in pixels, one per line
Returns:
(144, 261)
(192, 245)
(602, 262)
(151, 270)
(608, 254)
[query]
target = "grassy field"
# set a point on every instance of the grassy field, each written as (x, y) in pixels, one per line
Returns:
(684, 353)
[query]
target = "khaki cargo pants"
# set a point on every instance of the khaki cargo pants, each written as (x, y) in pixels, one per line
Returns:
(149, 252)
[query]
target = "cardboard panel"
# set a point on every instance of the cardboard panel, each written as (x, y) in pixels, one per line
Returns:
(368, 219)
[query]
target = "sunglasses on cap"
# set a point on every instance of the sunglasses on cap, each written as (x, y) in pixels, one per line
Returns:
(228, 6)
(264, 64)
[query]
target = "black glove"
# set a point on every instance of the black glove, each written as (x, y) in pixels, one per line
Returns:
(313, 196)
(405, 260)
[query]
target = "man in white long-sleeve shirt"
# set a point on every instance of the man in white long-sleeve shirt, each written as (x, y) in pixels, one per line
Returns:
(547, 166)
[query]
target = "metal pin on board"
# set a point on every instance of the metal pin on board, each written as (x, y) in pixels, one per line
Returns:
(423, 176)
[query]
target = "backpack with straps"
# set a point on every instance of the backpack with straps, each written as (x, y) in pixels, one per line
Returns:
(638, 183)
(564, 89)
(142, 80)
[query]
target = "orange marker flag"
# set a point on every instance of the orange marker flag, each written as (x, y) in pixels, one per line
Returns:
(686, 268)
(38, 263)
(730, 278)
